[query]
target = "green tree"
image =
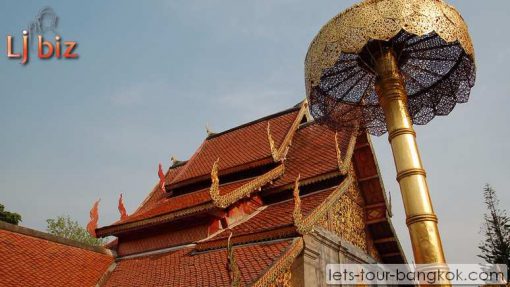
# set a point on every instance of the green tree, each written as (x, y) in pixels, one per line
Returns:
(65, 227)
(496, 246)
(9, 217)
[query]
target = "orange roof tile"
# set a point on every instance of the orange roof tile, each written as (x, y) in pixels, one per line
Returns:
(32, 261)
(312, 153)
(243, 145)
(156, 195)
(185, 268)
(164, 205)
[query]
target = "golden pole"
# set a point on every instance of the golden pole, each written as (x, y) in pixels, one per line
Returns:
(421, 219)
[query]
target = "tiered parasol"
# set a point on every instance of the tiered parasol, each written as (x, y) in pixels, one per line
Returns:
(385, 65)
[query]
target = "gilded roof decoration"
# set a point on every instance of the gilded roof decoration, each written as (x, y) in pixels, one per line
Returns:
(344, 163)
(282, 265)
(306, 224)
(245, 190)
(279, 154)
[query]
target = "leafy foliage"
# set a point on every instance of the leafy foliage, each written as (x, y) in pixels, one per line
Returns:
(496, 247)
(9, 217)
(64, 226)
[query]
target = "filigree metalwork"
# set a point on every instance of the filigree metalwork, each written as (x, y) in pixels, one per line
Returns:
(435, 52)
(282, 265)
(306, 224)
(223, 201)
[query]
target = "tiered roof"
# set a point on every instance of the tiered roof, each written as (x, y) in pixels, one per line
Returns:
(241, 182)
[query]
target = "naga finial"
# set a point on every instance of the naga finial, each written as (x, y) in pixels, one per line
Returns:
(272, 146)
(297, 214)
(233, 268)
(215, 181)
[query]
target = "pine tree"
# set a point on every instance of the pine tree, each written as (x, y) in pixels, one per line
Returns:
(496, 247)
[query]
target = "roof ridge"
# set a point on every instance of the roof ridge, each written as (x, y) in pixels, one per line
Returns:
(280, 113)
(53, 238)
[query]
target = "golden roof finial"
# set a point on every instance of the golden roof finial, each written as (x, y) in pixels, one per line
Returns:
(223, 201)
(306, 224)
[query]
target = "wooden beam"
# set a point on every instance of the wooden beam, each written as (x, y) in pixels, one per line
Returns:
(385, 240)
(375, 221)
(360, 146)
(375, 205)
(368, 178)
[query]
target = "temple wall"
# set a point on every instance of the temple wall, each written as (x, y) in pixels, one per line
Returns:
(341, 237)
(151, 240)
(321, 248)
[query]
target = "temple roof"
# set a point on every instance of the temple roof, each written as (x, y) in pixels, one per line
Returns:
(185, 267)
(240, 187)
(241, 147)
(271, 221)
(32, 258)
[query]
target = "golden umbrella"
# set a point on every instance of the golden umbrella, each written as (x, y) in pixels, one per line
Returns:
(385, 65)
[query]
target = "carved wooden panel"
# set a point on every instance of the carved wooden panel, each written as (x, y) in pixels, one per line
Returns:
(347, 217)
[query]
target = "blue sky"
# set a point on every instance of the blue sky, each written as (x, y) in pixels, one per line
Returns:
(150, 76)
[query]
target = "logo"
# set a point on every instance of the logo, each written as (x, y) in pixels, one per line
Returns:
(45, 23)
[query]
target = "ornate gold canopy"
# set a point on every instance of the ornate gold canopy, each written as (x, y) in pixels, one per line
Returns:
(350, 31)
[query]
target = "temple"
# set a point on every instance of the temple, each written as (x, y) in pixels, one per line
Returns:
(267, 203)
